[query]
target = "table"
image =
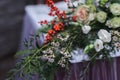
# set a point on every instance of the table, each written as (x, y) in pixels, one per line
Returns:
(102, 70)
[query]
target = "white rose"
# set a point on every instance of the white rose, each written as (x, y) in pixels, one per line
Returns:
(98, 44)
(104, 35)
(86, 29)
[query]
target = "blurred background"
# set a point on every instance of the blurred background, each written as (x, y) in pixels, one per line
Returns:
(11, 21)
(12, 14)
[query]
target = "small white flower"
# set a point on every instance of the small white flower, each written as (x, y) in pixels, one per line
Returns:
(98, 44)
(51, 60)
(86, 29)
(117, 44)
(104, 35)
(63, 65)
(115, 38)
(116, 32)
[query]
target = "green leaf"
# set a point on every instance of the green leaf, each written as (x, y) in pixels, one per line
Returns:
(43, 30)
(89, 2)
(115, 1)
(88, 48)
(103, 2)
(23, 52)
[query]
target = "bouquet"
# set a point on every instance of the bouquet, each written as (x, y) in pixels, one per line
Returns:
(87, 30)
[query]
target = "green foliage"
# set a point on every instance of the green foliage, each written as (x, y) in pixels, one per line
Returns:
(103, 2)
(114, 1)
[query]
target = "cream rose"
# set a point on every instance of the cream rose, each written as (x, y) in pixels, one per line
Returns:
(104, 35)
(85, 13)
(82, 12)
(101, 16)
(113, 23)
(98, 44)
(115, 9)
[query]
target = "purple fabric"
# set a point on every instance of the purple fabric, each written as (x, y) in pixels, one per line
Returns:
(102, 70)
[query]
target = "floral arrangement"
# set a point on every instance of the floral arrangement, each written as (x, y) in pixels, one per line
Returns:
(90, 29)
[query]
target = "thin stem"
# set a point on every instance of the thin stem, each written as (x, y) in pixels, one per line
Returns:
(83, 75)
(33, 56)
